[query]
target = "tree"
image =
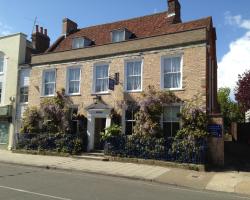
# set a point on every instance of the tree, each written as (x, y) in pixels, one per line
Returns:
(242, 91)
(230, 110)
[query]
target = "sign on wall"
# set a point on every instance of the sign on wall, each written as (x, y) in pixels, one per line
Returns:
(215, 130)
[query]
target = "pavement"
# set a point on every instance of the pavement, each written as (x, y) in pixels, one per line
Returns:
(229, 181)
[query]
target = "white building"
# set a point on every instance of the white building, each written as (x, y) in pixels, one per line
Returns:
(248, 116)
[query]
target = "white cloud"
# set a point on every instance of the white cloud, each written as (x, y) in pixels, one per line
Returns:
(5, 29)
(237, 60)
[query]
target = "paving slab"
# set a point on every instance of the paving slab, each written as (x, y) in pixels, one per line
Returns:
(243, 187)
(225, 182)
(186, 178)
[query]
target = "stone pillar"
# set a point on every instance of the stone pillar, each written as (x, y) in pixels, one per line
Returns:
(11, 137)
(216, 143)
(90, 132)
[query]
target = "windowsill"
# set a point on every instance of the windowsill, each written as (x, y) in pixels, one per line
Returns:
(47, 96)
(173, 89)
(100, 93)
(72, 95)
(23, 103)
(132, 91)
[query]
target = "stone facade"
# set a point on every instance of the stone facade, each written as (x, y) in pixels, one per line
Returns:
(193, 73)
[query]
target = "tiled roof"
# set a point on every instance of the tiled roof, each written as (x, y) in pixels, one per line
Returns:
(141, 27)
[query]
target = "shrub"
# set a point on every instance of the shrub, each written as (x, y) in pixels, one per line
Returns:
(194, 129)
(48, 128)
(150, 110)
(112, 131)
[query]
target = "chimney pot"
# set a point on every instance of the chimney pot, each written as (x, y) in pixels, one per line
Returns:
(40, 40)
(41, 30)
(37, 28)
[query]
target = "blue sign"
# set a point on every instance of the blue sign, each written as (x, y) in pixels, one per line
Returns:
(215, 130)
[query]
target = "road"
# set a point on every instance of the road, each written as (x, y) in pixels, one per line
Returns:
(27, 183)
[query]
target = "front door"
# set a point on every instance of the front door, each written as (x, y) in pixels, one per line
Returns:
(4, 134)
(100, 124)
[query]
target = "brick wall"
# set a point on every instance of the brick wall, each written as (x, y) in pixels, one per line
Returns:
(194, 76)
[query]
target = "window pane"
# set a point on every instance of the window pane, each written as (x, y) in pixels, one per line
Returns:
(175, 128)
(170, 113)
(118, 36)
(1, 64)
(129, 128)
(74, 74)
(1, 86)
(74, 87)
(102, 79)
(167, 129)
(133, 75)
(167, 65)
(49, 89)
(176, 63)
(167, 80)
(49, 76)
(176, 80)
(102, 71)
(24, 94)
(78, 43)
(170, 129)
(74, 81)
(172, 72)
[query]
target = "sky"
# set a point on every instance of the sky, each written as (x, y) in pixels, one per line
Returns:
(231, 19)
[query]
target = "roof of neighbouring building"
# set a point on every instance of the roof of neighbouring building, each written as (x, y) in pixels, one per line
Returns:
(141, 27)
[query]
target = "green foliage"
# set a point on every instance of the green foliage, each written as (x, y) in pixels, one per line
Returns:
(149, 114)
(112, 131)
(194, 128)
(49, 127)
(230, 110)
(31, 120)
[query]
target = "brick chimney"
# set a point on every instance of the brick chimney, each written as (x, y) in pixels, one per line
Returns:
(68, 26)
(174, 11)
(40, 40)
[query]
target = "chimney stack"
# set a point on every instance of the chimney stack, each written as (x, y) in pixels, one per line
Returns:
(174, 11)
(40, 40)
(68, 27)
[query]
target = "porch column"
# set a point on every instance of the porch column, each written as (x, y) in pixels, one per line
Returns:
(90, 132)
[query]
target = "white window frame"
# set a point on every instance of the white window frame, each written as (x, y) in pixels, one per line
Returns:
(1, 99)
(67, 81)
(43, 83)
(26, 102)
(116, 31)
(181, 71)
(171, 105)
(94, 78)
(2, 57)
(78, 39)
(125, 74)
(3, 76)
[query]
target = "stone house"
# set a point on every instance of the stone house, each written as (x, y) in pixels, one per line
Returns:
(102, 66)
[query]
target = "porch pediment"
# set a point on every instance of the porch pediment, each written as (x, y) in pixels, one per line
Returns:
(98, 106)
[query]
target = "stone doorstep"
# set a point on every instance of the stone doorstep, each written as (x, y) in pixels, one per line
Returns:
(92, 156)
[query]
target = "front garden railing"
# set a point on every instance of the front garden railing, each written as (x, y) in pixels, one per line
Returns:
(156, 149)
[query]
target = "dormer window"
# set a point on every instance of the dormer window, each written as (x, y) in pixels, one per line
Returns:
(80, 42)
(120, 35)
